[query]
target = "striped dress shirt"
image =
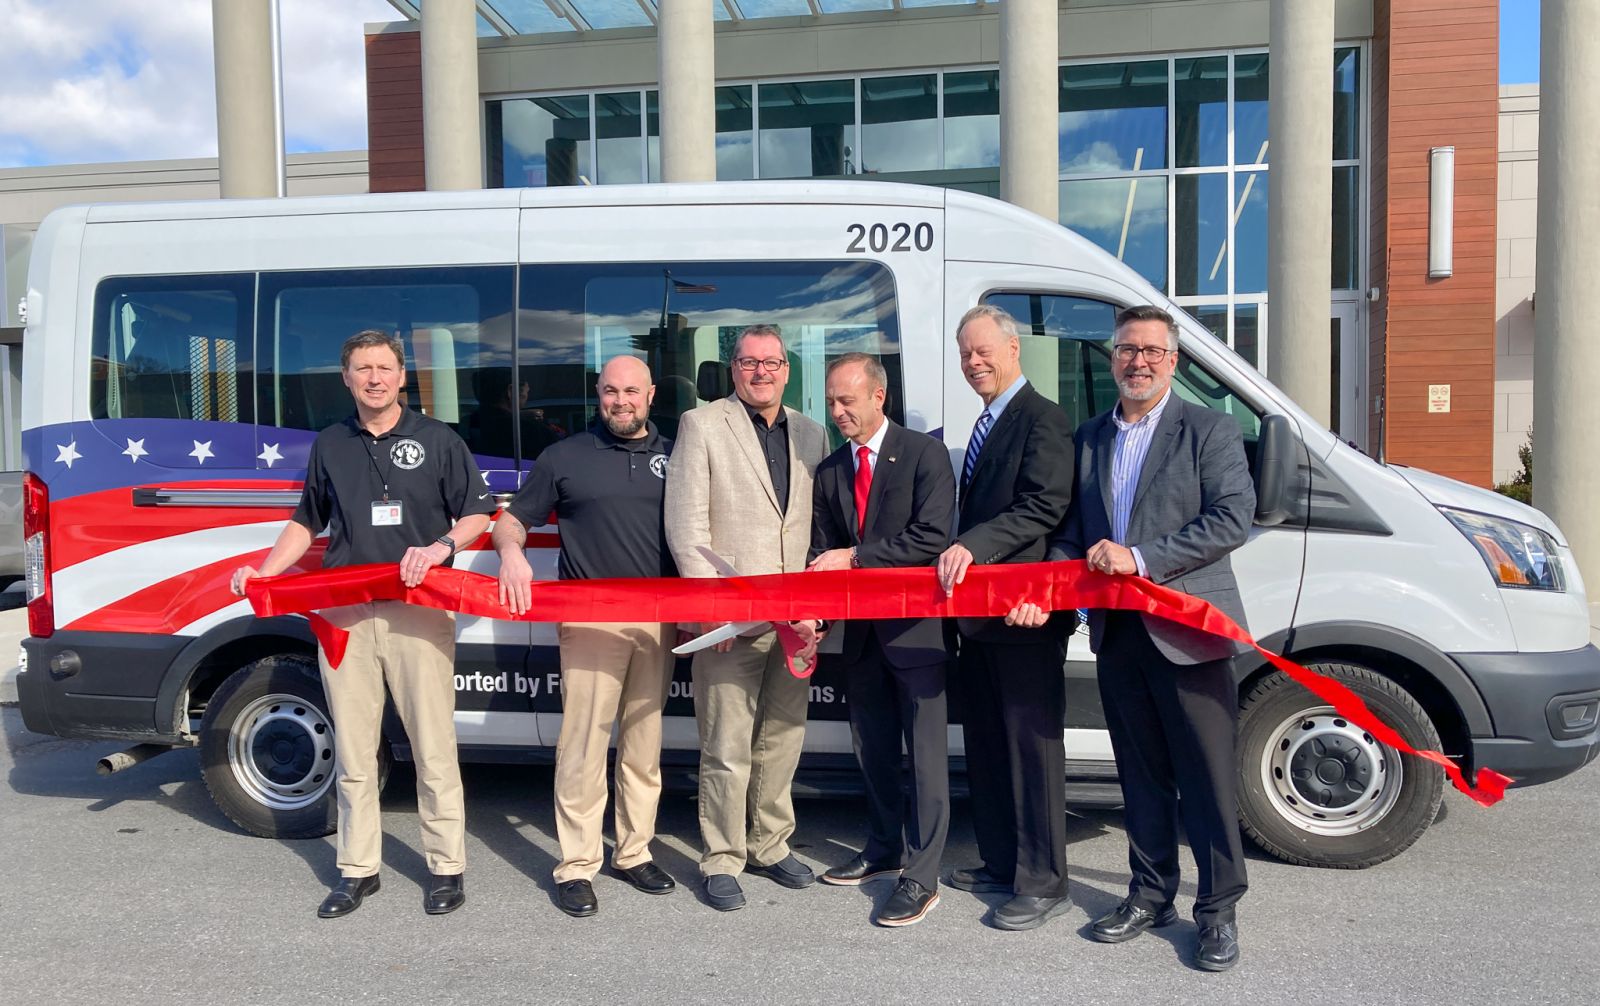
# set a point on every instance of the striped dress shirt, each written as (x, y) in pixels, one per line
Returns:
(1127, 461)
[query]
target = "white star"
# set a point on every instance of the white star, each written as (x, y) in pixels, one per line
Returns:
(269, 454)
(201, 451)
(68, 453)
(135, 450)
(484, 476)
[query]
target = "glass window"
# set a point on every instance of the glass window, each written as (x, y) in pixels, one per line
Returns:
(619, 133)
(1250, 232)
(682, 318)
(1125, 216)
(172, 347)
(539, 141)
(1346, 104)
(1113, 117)
(1250, 109)
(455, 324)
(1346, 228)
(1196, 384)
(1201, 242)
(808, 128)
(735, 135)
(1214, 318)
(1200, 93)
(1065, 349)
(1247, 333)
(899, 123)
(972, 119)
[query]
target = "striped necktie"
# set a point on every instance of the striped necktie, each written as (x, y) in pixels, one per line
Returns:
(980, 432)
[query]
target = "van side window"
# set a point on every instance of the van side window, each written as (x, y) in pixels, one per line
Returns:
(455, 324)
(172, 347)
(682, 318)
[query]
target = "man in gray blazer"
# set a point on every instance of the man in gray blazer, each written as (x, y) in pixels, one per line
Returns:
(739, 484)
(1164, 492)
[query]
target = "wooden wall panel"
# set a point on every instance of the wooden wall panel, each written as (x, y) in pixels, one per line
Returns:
(1435, 83)
(394, 112)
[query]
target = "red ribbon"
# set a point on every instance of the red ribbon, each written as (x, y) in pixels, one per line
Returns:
(987, 591)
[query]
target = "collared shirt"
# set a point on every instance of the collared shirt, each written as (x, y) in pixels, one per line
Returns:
(873, 445)
(774, 441)
(607, 494)
(421, 464)
(1127, 461)
(1003, 399)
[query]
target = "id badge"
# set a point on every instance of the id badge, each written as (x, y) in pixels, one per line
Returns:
(387, 513)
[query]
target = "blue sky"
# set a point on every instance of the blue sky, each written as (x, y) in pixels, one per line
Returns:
(1519, 41)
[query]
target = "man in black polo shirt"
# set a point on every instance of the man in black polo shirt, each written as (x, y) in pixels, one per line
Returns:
(387, 484)
(605, 486)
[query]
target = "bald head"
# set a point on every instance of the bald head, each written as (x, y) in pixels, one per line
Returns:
(625, 395)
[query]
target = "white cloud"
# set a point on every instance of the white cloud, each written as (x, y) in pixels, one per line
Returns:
(106, 80)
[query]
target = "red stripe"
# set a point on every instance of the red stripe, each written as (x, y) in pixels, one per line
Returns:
(168, 606)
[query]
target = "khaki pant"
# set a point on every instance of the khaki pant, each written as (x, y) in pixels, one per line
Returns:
(752, 716)
(607, 669)
(412, 649)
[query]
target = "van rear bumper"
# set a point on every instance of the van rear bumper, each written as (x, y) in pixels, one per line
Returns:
(1546, 711)
(97, 685)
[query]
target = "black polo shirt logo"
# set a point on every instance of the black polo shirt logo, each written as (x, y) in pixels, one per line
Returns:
(407, 454)
(658, 465)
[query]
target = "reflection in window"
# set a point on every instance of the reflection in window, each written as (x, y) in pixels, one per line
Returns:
(1250, 109)
(618, 131)
(807, 128)
(1250, 232)
(1346, 229)
(1214, 317)
(1065, 349)
(539, 141)
(1113, 117)
(972, 119)
(1201, 240)
(735, 135)
(1247, 333)
(1125, 216)
(899, 123)
(1200, 93)
(1346, 104)
(682, 318)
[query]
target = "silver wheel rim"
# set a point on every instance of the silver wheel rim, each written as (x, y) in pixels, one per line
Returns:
(1327, 776)
(281, 752)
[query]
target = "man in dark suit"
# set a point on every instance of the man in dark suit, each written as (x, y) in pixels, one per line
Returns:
(1164, 492)
(887, 498)
(1016, 482)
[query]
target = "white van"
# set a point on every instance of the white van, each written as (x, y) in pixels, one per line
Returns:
(181, 357)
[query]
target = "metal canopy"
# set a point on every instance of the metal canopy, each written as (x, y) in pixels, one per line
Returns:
(541, 17)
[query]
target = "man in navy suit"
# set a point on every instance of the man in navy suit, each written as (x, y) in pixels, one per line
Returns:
(887, 498)
(1164, 492)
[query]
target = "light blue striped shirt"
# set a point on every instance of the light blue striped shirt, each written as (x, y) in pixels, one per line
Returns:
(1127, 461)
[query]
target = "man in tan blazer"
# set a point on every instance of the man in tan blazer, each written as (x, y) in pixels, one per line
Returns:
(739, 484)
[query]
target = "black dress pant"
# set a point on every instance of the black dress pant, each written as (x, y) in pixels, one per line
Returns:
(1015, 707)
(1174, 730)
(890, 706)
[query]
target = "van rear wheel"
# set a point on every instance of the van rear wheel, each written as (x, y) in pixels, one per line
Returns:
(1317, 790)
(266, 750)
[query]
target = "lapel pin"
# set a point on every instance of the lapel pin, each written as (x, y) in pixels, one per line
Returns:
(891, 458)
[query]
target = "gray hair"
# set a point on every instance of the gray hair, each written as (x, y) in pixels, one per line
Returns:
(761, 332)
(876, 375)
(999, 315)
(1149, 312)
(369, 339)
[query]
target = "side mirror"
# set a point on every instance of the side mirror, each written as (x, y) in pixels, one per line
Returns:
(1276, 463)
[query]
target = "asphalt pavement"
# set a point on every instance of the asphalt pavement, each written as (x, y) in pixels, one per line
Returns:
(134, 889)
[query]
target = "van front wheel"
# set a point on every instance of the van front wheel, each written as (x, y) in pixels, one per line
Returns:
(1317, 790)
(266, 749)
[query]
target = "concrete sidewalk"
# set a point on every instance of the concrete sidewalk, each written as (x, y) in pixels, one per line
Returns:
(13, 629)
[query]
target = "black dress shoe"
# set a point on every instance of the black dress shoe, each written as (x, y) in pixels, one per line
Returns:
(1025, 912)
(788, 871)
(346, 898)
(1128, 920)
(978, 881)
(858, 871)
(723, 892)
(908, 905)
(446, 893)
(576, 898)
(1219, 947)
(647, 877)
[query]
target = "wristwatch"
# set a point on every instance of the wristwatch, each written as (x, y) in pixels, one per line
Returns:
(447, 542)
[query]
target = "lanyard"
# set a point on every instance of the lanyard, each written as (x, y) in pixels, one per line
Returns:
(374, 459)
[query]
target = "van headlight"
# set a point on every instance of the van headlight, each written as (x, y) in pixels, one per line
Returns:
(1518, 555)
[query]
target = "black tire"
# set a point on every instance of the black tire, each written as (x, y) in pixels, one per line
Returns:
(1315, 790)
(266, 750)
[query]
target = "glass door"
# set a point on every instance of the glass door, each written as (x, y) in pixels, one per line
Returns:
(1347, 413)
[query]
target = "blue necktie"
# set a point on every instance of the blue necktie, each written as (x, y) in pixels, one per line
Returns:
(979, 433)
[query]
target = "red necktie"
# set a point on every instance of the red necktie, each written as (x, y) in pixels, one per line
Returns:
(863, 486)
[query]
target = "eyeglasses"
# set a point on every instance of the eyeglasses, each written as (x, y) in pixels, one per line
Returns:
(750, 363)
(1126, 353)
